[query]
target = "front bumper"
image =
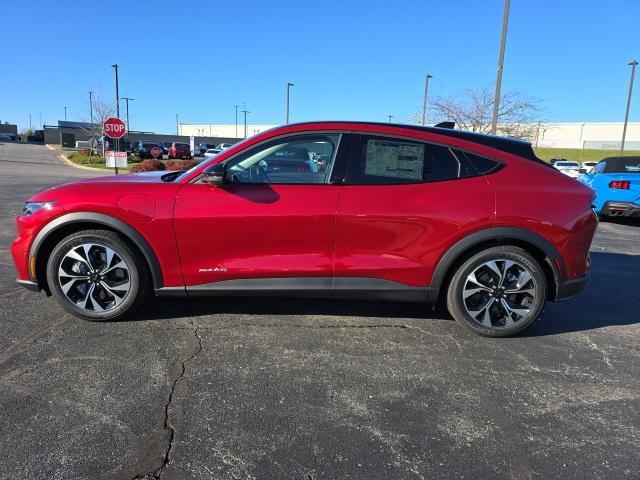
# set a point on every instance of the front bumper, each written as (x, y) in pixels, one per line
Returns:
(613, 208)
(570, 288)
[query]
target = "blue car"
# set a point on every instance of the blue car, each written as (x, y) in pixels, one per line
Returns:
(616, 181)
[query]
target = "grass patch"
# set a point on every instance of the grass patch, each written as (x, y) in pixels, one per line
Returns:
(580, 154)
(96, 161)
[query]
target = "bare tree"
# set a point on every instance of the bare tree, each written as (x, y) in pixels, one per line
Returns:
(101, 111)
(517, 115)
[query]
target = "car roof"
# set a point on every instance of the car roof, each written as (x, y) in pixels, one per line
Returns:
(505, 144)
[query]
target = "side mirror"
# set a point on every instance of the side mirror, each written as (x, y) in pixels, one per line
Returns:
(214, 175)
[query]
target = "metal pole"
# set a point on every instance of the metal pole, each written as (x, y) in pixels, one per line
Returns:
(236, 107)
(424, 103)
(126, 99)
(115, 66)
(503, 41)
(91, 105)
(633, 64)
(65, 114)
(245, 122)
(177, 125)
(289, 85)
(390, 117)
(29, 122)
(40, 118)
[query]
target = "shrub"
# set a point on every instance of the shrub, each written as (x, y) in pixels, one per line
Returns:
(148, 166)
(180, 164)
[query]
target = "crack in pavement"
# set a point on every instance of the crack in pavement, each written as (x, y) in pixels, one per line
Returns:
(313, 327)
(168, 426)
(600, 350)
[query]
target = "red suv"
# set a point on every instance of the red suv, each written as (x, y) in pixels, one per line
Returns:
(179, 150)
(338, 209)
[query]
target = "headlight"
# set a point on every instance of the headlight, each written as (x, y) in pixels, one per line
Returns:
(32, 207)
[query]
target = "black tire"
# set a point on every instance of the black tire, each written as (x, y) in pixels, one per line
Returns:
(139, 283)
(533, 300)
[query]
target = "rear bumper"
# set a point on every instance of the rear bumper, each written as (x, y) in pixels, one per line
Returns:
(570, 288)
(614, 208)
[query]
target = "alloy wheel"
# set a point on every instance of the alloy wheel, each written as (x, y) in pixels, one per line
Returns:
(499, 293)
(94, 277)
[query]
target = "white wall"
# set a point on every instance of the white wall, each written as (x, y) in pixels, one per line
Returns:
(588, 135)
(221, 130)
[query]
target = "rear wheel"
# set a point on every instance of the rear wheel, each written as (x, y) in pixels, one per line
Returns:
(497, 292)
(96, 275)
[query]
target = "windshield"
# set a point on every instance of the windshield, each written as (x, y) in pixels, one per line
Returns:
(567, 164)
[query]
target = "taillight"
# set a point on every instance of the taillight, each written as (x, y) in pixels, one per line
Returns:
(620, 184)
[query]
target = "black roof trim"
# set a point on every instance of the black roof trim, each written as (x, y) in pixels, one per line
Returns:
(504, 144)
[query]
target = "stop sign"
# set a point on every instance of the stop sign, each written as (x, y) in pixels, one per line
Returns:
(114, 128)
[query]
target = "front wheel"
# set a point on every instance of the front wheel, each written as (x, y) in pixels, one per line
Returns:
(96, 275)
(498, 292)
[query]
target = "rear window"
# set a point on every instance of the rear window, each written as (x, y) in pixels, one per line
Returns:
(567, 164)
(622, 165)
(182, 145)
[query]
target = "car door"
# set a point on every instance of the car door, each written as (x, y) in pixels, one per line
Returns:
(404, 202)
(274, 218)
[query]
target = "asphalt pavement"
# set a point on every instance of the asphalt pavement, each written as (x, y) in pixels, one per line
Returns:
(265, 388)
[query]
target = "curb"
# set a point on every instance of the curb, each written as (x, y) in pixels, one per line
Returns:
(63, 158)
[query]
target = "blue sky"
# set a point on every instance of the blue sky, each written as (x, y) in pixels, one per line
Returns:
(360, 60)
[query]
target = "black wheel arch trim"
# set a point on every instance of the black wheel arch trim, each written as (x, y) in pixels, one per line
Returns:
(107, 221)
(500, 234)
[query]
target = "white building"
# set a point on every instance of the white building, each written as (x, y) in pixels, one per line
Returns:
(588, 135)
(221, 130)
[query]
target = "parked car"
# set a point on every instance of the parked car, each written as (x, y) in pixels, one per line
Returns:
(587, 166)
(572, 169)
(165, 147)
(180, 150)
(224, 146)
(203, 147)
(616, 181)
(143, 149)
(110, 144)
(397, 212)
(7, 137)
(554, 160)
(212, 152)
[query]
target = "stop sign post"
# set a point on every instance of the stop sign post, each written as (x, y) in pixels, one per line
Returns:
(114, 128)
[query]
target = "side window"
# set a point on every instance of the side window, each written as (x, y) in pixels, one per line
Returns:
(380, 161)
(300, 159)
(482, 165)
(600, 167)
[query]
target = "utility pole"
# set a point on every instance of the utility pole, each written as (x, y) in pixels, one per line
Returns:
(633, 64)
(236, 107)
(126, 99)
(424, 103)
(503, 41)
(289, 85)
(91, 105)
(390, 117)
(29, 122)
(245, 121)
(65, 114)
(40, 117)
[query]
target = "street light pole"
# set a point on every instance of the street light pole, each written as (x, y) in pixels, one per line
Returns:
(236, 107)
(65, 114)
(29, 122)
(91, 105)
(115, 66)
(289, 85)
(633, 64)
(245, 122)
(503, 41)
(390, 117)
(126, 99)
(424, 103)
(177, 125)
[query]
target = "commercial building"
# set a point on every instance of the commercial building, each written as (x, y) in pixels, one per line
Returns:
(221, 130)
(598, 135)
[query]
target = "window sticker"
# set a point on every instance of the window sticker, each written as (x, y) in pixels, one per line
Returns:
(394, 159)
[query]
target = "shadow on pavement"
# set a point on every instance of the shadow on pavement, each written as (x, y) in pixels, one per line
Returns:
(610, 299)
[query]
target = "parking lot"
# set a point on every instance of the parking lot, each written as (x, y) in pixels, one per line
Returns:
(253, 388)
